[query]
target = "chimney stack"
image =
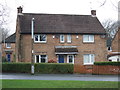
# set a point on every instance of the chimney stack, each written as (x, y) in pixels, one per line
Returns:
(19, 10)
(93, 13)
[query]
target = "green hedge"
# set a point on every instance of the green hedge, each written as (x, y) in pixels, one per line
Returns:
(107, 63)
(16, 67)
(39, 68)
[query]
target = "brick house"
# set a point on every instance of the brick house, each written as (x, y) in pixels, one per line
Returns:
(8, 48)
(114, 55)
(77, 39)
(116, 42)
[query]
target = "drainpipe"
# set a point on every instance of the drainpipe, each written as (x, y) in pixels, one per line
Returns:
(32, 49)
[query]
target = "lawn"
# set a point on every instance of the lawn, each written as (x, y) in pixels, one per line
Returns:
(57, 84)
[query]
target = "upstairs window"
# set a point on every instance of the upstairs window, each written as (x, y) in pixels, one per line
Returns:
(8, 45)
(40, 38)
(88, 58)
(88, 38)
(62, 39)
(69, 38)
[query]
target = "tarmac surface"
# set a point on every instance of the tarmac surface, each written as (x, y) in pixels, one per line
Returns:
(77, 77)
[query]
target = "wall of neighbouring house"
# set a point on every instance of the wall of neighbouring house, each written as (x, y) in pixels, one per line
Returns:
(8, 49)
(98, 48)
(116, 42)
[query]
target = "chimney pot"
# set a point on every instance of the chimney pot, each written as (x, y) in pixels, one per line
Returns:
(93, 13)
(20, 9)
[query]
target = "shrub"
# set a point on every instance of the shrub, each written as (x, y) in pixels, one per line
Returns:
(52, 61)
(4, 59)
(16, 67)
(107, 63)
(39, 67)
(53, 68)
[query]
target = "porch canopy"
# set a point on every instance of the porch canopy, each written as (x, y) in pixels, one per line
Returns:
(7, 51)
(66, 50)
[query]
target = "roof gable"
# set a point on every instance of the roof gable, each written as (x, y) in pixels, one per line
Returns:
(10, 39)
(61, 23)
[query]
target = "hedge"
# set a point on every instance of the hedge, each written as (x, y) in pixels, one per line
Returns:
(39, 68)
(107, 63)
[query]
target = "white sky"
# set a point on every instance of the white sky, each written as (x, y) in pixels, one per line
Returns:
(80, 7)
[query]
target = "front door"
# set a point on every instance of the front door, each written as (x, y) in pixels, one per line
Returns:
(8, 57)
(61, 58)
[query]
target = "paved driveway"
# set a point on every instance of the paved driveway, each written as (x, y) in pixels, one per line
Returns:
(79, 77)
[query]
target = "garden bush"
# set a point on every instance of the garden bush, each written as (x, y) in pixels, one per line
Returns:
(107, 63)
(39, 68)
(16, 67)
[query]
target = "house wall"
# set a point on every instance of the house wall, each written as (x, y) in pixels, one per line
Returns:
(9, 49)
(98, 48)
(116, 42)
(18, 40)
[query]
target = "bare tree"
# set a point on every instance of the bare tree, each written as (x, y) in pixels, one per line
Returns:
(4, 16)
(111, 27)
(5, 33)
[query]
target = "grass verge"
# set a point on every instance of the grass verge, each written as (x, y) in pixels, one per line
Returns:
(57, 84)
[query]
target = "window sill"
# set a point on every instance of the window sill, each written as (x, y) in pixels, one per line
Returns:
(69, 42)
(88, 64)
(8, 47)
(88, 42)
(62, 42)
(40, 42)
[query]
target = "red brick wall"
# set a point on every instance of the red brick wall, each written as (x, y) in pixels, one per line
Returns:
(106, 69)
(83, 69)
(96, 69)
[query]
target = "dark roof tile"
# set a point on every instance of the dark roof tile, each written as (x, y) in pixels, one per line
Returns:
(10, 39)
(60, 23)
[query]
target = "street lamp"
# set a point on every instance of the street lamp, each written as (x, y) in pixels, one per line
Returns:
(32, 43)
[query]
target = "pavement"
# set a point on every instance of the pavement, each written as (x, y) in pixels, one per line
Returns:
(77, 77)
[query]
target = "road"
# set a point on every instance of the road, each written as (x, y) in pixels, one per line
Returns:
(78, 77)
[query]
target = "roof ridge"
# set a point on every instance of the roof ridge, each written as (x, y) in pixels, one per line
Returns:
(56, 14)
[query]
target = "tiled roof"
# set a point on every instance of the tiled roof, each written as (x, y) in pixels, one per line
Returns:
(60, 23)
(10, 39)
(66, 50)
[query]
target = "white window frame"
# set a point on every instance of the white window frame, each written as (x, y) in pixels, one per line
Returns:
(62, 41)
(40, 59)
(90, 62)
(68, 59)
(7, 45)
(89, 40)
(39, 38)
(69, 38)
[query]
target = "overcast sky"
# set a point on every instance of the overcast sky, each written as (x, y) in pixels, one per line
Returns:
(79, 7)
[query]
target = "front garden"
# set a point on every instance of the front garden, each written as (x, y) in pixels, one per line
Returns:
(46, 68)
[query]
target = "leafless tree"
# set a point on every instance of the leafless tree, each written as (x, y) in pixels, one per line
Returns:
(4, 14)
(5, 33)
(4, 18)
(111, 27)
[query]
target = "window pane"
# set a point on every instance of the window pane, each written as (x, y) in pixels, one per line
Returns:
(70, 59)
(68, 38)
(85, 38)
(8, 45)
(43, 58)
(91, 37)
(92, 58)
(86, 58)
(37, 58)
(61, 38)
(36, 38)
(42, 37)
